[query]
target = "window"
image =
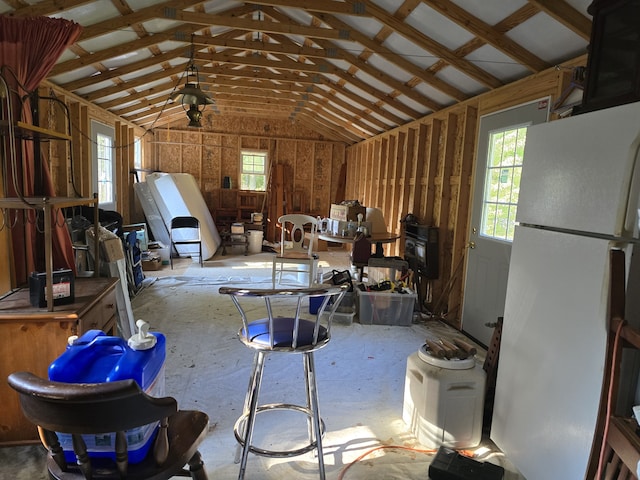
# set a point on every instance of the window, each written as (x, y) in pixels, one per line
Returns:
(502, 185)
(137, 158)
(104, 165)
(253, 170)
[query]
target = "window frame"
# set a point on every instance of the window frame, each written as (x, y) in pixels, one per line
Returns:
(100, 129)
(241, 169)
(493, 197)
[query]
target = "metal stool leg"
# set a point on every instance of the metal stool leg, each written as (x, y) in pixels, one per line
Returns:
(310, 373)
(250, 407)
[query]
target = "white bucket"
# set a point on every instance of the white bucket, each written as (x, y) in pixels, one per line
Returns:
(255, 241)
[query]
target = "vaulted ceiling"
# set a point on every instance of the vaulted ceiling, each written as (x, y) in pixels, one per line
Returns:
(346, 69)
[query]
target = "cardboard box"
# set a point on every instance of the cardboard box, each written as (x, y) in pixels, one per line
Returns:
(152, 264)
(112, 249)
(347, 213)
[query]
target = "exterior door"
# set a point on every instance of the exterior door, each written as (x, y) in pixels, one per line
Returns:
(501, 141)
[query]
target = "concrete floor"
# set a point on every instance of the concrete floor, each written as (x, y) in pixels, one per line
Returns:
(361, 376)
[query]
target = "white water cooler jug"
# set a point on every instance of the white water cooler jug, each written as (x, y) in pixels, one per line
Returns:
(444, 400)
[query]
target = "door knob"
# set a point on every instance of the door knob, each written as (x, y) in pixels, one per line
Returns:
(471, 244)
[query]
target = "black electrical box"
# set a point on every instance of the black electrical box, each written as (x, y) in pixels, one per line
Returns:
(62, 288)
(450, 465)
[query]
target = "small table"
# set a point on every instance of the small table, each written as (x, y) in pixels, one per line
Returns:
(377, 238)
(232, 239)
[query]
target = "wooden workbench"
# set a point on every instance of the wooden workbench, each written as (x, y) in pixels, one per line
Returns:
(31, 338)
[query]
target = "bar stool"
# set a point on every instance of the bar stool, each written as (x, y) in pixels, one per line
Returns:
(289, 334)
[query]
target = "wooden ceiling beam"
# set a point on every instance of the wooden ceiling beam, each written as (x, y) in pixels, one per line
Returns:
(312, 120)
(248, 95)
(564, 13)
(309, 68)
(310, 81)
(140, 16)
(124, 70)
(488, 34)
(358, 8)
(123, 49)
(134, 83)
(375, 73)
(361, 65)
(506, 24)
(254, 25)
(402, 63)
(48, 7)
(435, 48)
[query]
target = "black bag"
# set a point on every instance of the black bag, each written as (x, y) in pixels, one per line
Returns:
(342, 277)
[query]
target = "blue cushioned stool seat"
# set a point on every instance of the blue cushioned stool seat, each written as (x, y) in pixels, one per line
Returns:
(283, 332)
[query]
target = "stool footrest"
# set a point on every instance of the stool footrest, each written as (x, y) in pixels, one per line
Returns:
(239, 427)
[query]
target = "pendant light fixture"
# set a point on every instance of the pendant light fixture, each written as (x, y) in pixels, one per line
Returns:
(192, 98)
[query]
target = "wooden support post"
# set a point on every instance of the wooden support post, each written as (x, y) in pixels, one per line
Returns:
(276, 202)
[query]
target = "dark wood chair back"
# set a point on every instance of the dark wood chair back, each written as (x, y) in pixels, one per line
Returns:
(111, 407)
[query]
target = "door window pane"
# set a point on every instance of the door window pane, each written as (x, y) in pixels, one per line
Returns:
(502, 186)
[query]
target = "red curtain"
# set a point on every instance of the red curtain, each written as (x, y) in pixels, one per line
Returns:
(29, 48)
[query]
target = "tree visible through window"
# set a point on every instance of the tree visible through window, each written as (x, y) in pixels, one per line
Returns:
(502, 185)
(253, 171)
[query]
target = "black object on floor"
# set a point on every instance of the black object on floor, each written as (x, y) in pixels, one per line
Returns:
(450, 465)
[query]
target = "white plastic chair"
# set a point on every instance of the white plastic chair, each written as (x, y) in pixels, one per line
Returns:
(299, 260)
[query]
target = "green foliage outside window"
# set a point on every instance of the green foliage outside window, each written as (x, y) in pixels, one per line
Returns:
(253, 171)
(502, 185)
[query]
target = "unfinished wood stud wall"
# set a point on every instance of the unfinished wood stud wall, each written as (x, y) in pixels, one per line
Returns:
(424, 169)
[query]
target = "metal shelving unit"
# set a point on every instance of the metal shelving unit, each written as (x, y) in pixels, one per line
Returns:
(17, 130)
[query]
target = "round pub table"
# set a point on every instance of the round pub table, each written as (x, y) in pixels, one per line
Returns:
(377, 238)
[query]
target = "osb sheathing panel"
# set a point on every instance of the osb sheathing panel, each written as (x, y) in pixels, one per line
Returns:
(211, 162)
(191, 154)
(230, 154)
(286, 154)
(168, 157)
(253, 127)
(337, 178)
(250, 143)
(322, 165)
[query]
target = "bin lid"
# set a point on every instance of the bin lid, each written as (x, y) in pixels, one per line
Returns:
(449, 363)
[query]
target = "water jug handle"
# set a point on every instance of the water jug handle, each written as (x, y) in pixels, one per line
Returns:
(110, 341)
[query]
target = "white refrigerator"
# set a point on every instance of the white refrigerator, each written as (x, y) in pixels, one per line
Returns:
(578, 200)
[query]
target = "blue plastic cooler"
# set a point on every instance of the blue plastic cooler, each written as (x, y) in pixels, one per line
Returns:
(96, 358)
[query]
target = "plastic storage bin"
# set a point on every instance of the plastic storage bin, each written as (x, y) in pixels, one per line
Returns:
(444, 400)
(95, 358)
(386, 308)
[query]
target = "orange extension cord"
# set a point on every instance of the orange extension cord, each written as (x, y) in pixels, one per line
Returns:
(609, 401)
(430, 451)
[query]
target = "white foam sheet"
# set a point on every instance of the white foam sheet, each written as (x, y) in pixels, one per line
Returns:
(177, 194)
(151, 213)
